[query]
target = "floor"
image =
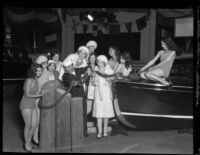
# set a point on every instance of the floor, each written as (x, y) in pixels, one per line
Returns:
(162, 142)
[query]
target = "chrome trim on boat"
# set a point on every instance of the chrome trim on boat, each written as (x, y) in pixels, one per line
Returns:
(14, 79)
(159, 89)
(156, 115)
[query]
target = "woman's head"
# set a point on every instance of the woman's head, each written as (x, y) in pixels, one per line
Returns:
(102, 61)
(83, 52)
(35, 71)
(51, 66)
(114, 52)
(92, 58)
(168, 44)
(55, 55)
(91, 45)
(126, 59)
(43, 60)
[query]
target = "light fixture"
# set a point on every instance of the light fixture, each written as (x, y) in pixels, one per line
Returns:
(90, 17)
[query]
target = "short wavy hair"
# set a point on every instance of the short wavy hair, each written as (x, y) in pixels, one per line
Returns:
(127, 57)
(31, 73)
(170, 43)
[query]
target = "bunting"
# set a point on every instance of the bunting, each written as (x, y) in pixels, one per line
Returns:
(113, 29)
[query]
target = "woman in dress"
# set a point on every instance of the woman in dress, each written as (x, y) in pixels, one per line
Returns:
(28, 104)
(56, 58)
(53, 73)
(103, 106)
(124, 68)
(162, 70)
(90, 84)
(114, 53)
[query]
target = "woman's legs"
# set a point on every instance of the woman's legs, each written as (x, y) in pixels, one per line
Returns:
(156, 76)
(35, 136)
(34, 123)
(27, 116)
(99, 127)
(105, 125)
(142, 75)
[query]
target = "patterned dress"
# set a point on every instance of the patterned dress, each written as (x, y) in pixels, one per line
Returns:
(103, 106)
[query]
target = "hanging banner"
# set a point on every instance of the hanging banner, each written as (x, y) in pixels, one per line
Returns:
(141, 23)
(20, 18)
(123, 28)
(95, 31)
(85, 27)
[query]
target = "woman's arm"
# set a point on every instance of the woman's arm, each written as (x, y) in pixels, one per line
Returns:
(27, 92)
(151, 62)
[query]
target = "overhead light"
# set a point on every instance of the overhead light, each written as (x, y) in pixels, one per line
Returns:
(89, 16)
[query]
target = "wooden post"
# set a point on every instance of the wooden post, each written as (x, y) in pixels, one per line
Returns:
(77, 123)
(47, 123)
(63, 129)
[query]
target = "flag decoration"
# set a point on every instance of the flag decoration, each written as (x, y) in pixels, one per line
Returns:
(95, 31)
(113, 28)
(85, 27)
(141, 23)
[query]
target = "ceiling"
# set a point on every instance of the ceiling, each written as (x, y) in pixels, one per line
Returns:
(36, 22)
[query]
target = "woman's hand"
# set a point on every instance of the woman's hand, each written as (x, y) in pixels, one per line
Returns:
(94, 74)
(79, 62)
(89, 72)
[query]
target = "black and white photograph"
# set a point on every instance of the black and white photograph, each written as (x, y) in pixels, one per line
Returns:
(100, 80)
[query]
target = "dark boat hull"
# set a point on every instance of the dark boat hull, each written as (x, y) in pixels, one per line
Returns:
(152, 106)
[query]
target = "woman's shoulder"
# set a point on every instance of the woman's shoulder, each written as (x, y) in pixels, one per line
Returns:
(108, 70)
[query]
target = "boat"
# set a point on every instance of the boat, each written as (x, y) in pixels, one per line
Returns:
(149, 105)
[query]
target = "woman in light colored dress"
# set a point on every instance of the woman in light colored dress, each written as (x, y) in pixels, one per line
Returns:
(90, 83)
(103, 106)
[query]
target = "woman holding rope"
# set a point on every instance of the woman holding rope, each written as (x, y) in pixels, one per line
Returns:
(103, 107)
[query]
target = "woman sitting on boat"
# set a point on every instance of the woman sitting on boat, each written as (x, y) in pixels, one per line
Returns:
(162, 70)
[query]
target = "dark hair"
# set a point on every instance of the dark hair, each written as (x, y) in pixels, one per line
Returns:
(126, 56)
(170, 43)
(89, 58)
(31, 73)
(117, 51)
(54, 51)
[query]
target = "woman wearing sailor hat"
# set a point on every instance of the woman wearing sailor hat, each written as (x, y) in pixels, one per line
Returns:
(78, 59)
(103, 107)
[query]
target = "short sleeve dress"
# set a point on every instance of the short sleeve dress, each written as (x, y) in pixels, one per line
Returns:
(103, 106)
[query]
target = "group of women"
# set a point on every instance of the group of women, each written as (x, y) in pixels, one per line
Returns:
(98, 90)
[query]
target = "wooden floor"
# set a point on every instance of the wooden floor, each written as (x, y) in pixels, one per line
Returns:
(162, 142)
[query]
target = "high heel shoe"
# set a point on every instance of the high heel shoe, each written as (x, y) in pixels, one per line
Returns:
(27, 150)
(105, 135)
(99, 136)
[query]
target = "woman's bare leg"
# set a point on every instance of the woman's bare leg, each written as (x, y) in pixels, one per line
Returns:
(156, 76)
(34, 124)
(35, 134)
(99, 127)
(105, 125)
(27, 116)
